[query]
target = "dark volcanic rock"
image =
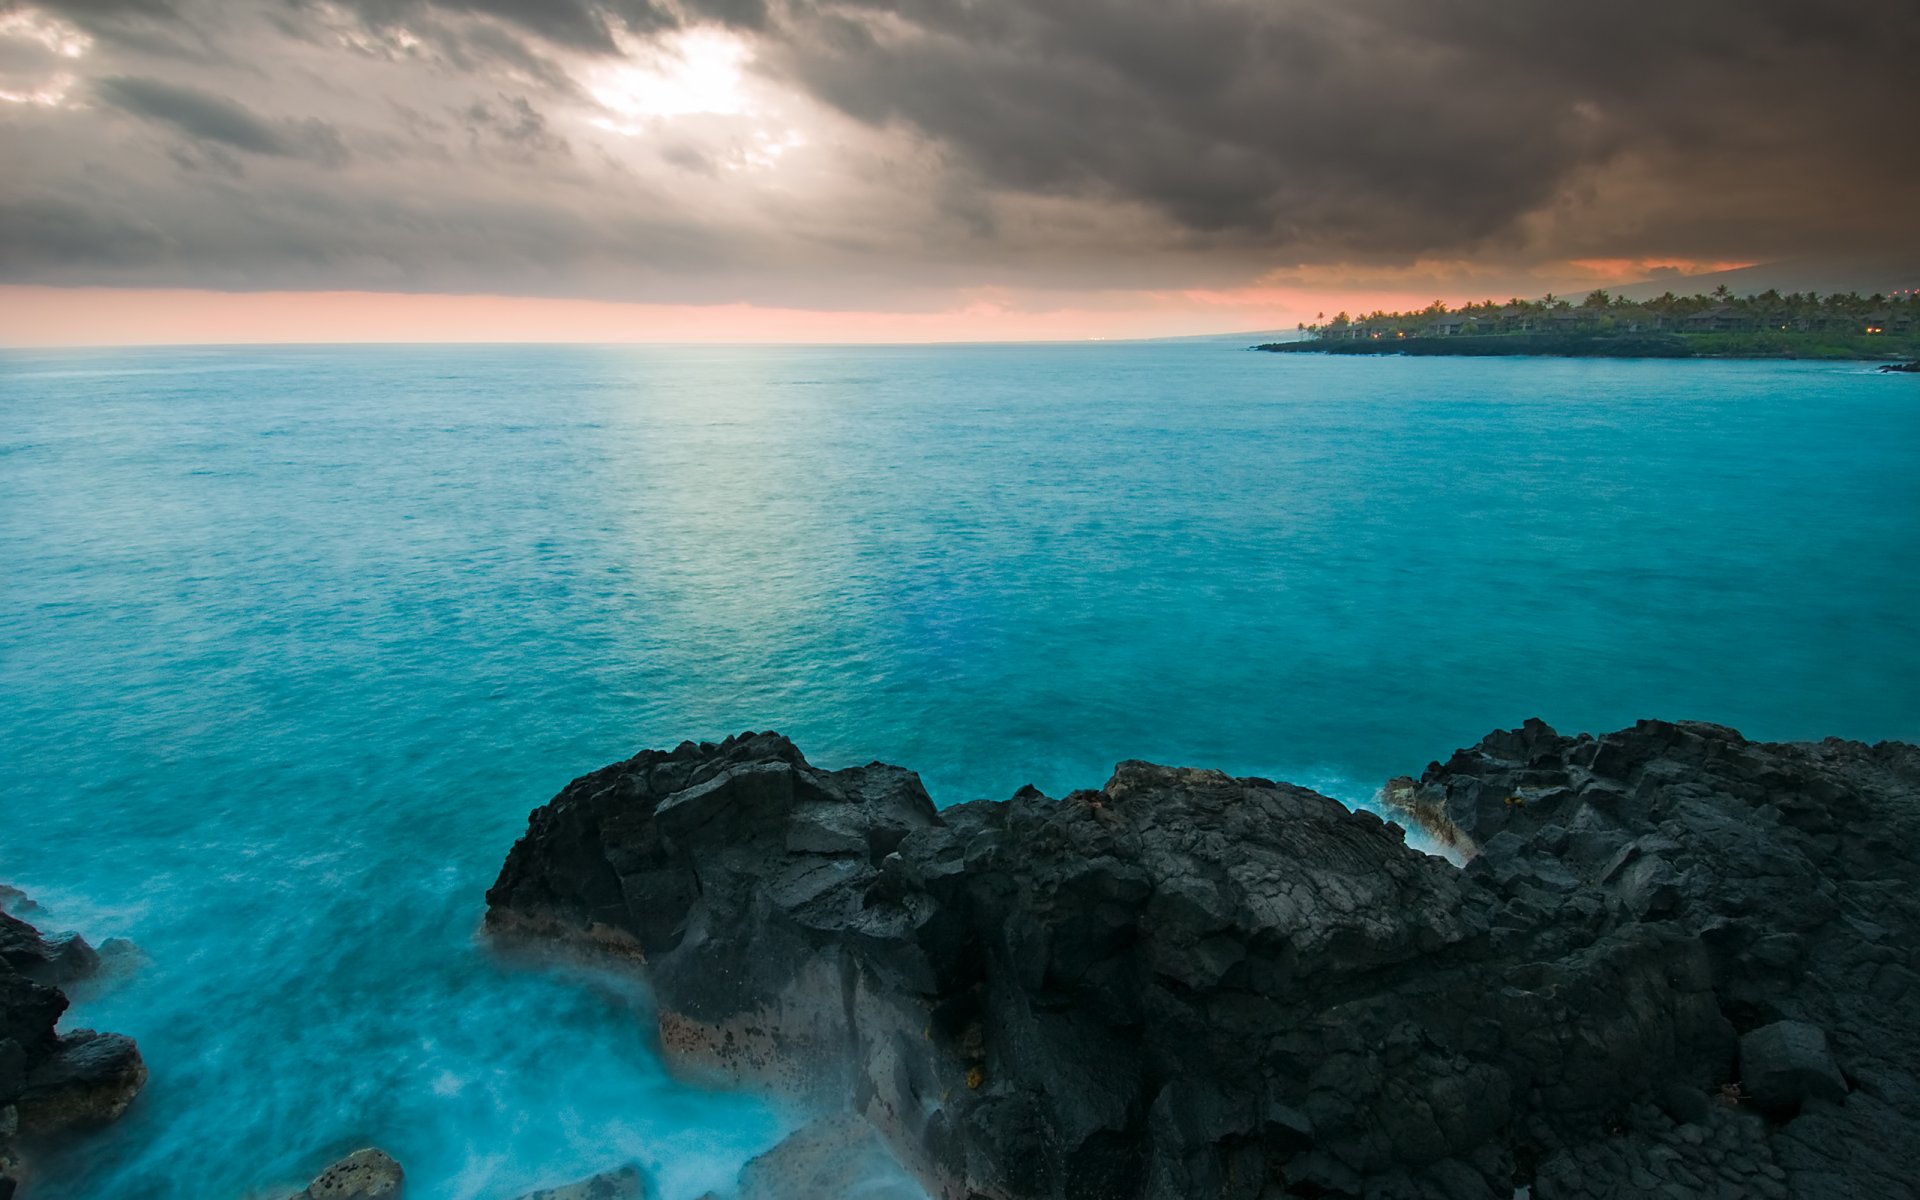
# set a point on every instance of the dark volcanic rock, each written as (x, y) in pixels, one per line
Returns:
(1185, 984)
(58, 960)
(838, 1155)
(1785, 1064)
(89, 1079)
(49, 1082)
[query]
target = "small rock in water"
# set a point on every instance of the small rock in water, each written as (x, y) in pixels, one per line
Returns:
(624, 1184)
(369, 1174)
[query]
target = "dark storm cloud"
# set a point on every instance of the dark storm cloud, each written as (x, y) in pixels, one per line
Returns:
(42, 234)
(513, 124)
(577, 24)
(564, 22)
(84, 10)
(1393, 127)
(212, 118)
(196, 113)
(948, 143)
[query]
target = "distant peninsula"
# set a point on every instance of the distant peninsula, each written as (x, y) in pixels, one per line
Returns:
(1720, 325)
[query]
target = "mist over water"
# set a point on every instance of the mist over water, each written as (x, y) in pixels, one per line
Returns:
(291, 640)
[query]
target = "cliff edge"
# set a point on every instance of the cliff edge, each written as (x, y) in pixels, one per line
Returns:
(1677, 963)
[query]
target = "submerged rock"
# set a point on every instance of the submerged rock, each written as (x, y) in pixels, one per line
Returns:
(369, 1174)
(1186, 984)
(624, 1184)
(49, 1082)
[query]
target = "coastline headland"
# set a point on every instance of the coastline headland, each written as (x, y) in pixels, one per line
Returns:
(1768, 325)
(1676, 962)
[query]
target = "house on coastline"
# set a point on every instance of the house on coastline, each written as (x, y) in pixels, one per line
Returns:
(1722, 318)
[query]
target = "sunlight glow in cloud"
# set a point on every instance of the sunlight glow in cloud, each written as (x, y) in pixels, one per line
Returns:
(766, 149)
(28, 25)
(698, 71)
(53, 38)
(51, 94)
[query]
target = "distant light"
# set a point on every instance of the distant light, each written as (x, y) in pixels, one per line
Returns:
(700, 71)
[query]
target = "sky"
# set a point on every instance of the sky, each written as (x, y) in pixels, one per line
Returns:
(849, 170)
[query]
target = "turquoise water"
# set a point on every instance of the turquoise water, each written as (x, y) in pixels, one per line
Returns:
(292, 639)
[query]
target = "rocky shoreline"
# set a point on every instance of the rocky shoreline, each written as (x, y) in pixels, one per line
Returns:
(52, 1084)
(1677, 963)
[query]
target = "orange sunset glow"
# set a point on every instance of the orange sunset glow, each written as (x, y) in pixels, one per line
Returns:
(48, 316)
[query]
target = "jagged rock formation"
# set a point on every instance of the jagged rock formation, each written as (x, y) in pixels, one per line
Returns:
(50, 1083)
(1790, 867)
(1188, 985)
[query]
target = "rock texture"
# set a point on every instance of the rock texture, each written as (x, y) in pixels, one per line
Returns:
(1189, 985)
(370, 1174)
(56, 961)
(50, 1082)
(837, 1155)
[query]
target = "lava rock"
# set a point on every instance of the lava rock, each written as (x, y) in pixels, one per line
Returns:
(57, 961)
(369, 1174)
(1187, 984)
(48, 1082)
(1787, 1063)
(89, 1079)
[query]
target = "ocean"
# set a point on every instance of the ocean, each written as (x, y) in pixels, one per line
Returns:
(291, 640)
